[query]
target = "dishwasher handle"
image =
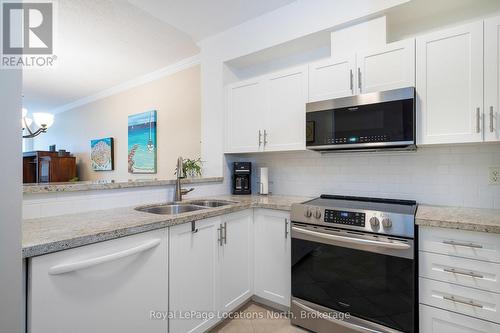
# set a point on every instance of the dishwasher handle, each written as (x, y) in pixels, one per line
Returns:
(86, 263)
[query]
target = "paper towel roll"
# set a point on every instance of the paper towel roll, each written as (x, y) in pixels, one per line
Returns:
(264, 181)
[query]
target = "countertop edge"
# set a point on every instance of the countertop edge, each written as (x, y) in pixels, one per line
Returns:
(458, 225)
(76, 187)
(51, 247)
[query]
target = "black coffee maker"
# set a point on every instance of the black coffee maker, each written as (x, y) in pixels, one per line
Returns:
(242, 178)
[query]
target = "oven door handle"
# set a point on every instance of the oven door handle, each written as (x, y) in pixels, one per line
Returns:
(351, 240)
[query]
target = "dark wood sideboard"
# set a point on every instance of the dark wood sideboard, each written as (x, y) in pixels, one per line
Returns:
(48, 167)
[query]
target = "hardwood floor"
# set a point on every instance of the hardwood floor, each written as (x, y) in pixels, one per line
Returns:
(254, 318)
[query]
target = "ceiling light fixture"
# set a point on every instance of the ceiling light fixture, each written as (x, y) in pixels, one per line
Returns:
(42, 120)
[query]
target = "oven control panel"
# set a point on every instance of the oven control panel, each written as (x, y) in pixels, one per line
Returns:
(342, 217)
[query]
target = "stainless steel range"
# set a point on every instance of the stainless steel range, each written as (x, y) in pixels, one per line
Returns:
(353, 265)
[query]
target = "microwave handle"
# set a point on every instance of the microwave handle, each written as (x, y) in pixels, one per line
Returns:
(351, 240)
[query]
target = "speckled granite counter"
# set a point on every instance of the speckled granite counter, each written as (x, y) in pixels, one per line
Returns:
(109, 185)
(472, 219)
(51, 234)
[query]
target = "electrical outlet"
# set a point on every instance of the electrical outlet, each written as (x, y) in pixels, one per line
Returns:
(494, 176)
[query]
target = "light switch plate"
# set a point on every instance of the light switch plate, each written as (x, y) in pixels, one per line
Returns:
(494, 176)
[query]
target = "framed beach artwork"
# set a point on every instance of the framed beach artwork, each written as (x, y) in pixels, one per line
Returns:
(142, 142)
(101, 154)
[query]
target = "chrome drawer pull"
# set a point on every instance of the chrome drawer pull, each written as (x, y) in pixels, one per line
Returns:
(466, 273)
(452, 242)
(466, 302)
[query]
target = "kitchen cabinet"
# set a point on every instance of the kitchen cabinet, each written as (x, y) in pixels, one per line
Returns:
(236, 259)
(332, 78)
(245, 113)
(267, 113)
(389, 67)
(272, 255)
(449, 82)
(491, 79)
(193, 274)
(104, 287)
(433, 320)
(285, 121)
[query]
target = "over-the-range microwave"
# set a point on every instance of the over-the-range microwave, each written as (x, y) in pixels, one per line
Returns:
(373, 121)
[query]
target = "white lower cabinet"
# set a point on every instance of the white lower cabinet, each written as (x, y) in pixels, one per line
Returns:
(433, 320)
(236, 260)
(272, 279)
(105, 287)
(193, 274)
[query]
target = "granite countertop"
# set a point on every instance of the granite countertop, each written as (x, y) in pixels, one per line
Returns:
(56, 233)
(109, 184)
(471, 219)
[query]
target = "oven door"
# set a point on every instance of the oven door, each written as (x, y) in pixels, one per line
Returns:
(370, 277)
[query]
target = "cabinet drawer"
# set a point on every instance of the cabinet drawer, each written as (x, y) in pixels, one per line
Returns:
(465, 300)
(466, 272)
(460, 243)
(434, 320)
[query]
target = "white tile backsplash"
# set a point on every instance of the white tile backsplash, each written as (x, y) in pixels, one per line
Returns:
(440, 175)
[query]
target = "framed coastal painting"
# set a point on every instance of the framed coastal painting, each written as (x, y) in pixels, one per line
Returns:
(142, 142)
(101, 154)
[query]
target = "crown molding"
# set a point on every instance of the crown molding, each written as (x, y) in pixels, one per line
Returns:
(165, 71)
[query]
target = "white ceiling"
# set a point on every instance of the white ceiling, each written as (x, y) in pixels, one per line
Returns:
(103, 43)
(204, 18)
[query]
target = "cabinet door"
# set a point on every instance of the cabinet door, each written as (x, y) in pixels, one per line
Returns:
(332, 78)
(390, 67)
(244, 116)
(450, 85)
(492, 79)
(272, 255)
(434, 320)
(235, 258)
(193, 274)
(105, 287)
(286, 97)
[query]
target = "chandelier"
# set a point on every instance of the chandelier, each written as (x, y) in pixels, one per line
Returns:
(41, 119)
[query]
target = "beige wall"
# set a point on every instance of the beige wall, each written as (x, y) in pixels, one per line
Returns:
(176, 98)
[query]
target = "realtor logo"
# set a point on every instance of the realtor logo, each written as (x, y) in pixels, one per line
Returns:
(27, 34)
(27, 28)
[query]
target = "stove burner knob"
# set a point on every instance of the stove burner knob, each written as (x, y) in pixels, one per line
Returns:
(387, 223)
(308, 212)
(317, 214)
(374, 221)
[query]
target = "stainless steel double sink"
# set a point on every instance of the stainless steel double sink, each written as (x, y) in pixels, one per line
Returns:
(174, 208)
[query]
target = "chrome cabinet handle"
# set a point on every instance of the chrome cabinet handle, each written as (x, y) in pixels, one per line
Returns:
(265, 137)
(464, 244)
(478, 120)
(461, 301)
(492, 118)
(359, 79)
(225, 232)
(286, 228)
(86, 263)
(219, 233)
(462, 272)
(351, 78)
(260, 138)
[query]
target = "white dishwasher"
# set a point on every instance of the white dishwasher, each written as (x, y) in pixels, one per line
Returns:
(101, 288)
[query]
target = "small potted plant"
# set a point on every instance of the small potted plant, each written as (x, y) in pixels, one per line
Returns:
(192, 168)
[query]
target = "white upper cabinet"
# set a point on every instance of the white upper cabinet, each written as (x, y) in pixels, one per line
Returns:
(286, 98)
(332, 78)
(267, 113)
(492, 79)
(236, 259)
(390, 67)
(450, 85)
(245, 113)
